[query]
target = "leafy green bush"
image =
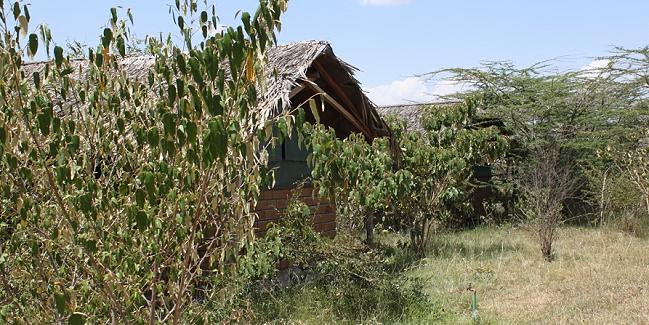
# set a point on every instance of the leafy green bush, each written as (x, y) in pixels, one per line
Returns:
(441, 163)
(347, 284)
(123, 199)
(360, 176)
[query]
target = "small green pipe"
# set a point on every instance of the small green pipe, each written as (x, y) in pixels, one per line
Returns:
(474, 307)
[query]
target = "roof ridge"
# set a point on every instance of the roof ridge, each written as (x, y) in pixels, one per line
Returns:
(419, 104)
(138, 56)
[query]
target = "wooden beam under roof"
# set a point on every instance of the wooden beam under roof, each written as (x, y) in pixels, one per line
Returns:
(339, 91)
(340, 108)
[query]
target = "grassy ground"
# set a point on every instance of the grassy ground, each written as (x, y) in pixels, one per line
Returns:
(599, 277)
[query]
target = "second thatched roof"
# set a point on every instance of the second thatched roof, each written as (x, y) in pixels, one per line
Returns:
(409, 113)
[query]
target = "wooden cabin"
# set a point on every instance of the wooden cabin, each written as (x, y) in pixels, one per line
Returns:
(294, 73)
(301, 71)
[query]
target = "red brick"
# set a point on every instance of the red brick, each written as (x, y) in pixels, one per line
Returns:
(309, 201)
(307, 192)
(282, 194)
(325, 227)
(323, 209)
(273, 205)
(261, 225)
(266, 195)
(264, 205)
(281, 204)
(269, 214)
(324, 218)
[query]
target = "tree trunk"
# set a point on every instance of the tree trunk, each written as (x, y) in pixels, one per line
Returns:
(546, 234)
(369, 229)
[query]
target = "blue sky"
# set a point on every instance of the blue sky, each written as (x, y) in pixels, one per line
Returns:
(392, 40)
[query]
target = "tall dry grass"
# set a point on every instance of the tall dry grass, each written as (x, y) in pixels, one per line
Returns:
(600, 276)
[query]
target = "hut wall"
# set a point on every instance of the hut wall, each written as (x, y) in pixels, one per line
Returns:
(272, 204)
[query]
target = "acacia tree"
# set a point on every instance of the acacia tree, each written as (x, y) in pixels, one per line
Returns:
(630, 68)
(128, 200)
(574, 114)
(634, 164)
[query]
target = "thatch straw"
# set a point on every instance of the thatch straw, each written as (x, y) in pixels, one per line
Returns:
(285, 68)
(409, 113)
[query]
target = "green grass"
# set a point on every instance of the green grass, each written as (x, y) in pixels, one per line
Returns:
(600, 276)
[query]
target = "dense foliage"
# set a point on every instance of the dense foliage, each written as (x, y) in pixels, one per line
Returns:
(128, 200)
(442, 162)
(559, 122)
(427, 183)
(360, 176)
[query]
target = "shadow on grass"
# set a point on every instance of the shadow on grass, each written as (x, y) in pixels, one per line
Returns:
(442, 248)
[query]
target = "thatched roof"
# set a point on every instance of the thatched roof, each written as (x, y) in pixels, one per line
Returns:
(409, 113)
(285, 69)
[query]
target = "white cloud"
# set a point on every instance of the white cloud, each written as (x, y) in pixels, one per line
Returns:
(595, 68)
(378, 3)
(448, 87)
(411, 90)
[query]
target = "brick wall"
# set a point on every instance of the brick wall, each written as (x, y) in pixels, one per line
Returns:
(272, 204)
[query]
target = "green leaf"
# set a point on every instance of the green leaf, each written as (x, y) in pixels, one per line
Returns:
(203, 17)
(300, 117)
(181, 23)
(148, 180)
(66, 71)
(33, 45)
(58, 56)
(16, 10)
(245, 18)
(180, 87)
(85, 203)
(314, 110)
(37, 79)
(182, 65)
(153, 136)
(77, 319)
(99, 60)
(113, 14)
(56, 125)
(215, 142)
(121, 46)
(141, 220)
(60, 300)
(44, 120)
(140, 196)
(26, 11)
(214, 105)
(129, 14)
(191, 130)
(169, 122)
(171, 94)
(107, 38)
(3, 135)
